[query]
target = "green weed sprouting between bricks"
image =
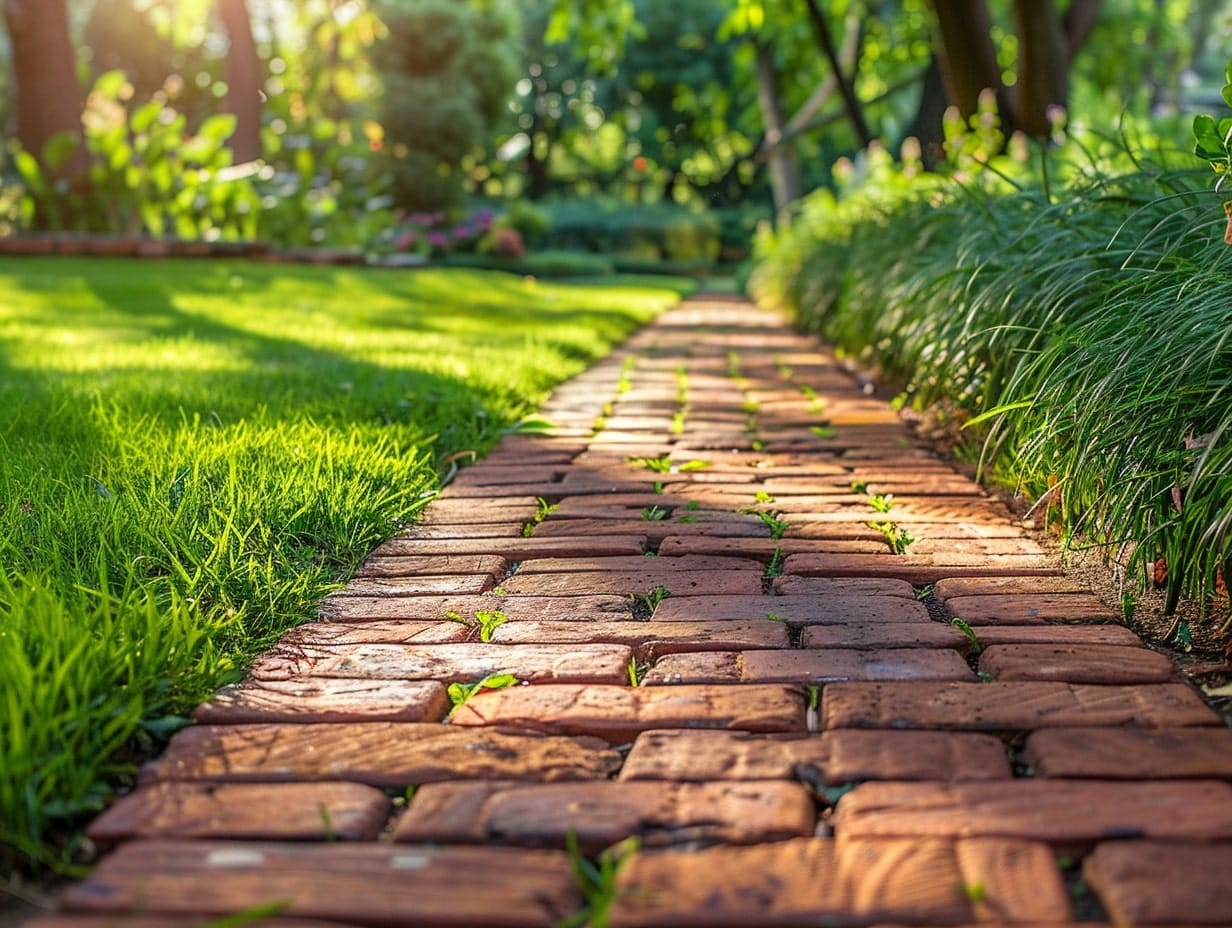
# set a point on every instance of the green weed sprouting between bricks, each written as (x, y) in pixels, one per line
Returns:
(460, 693)
(637, 670)
(967, 630)
(596, 880)
(776, 525)
(221, 452)
(1046, 320)
(543, 509)
(654, 513)
(774, 568)
(649, 601)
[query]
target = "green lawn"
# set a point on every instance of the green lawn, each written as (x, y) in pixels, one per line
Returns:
(193, 453)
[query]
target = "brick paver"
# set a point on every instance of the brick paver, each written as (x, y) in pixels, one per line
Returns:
(713, 650)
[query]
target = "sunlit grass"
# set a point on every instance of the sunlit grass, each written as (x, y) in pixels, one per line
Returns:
(192, 454)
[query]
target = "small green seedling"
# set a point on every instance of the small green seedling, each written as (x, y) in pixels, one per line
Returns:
(460, 693)
(652, 599)
(813, 691)
(967, 630)
(881, 502)
(687, 520)
(658, 486)
(596, 880)
(775, 567)
(974, 892)
(489, 621)
(771, 520)
(924, 592)
(859, 486)
(660, 465)
(678, 423)
(733, 364)
(824, 431)
(693, 465)
(775, 617)
(757, 444)
(899, 539)
(654, 513)
(761, 496)
(637, 671)
(693, 505)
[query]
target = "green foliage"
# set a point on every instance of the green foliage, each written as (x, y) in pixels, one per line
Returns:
(191, 458)
(461, 693)
(1214, 137)
(1076, 322)
(447, 69)
(657, 232)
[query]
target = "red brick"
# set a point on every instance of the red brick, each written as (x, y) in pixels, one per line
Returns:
(429, 609)
(989, 635)
(917, 570)
(1011, 706)
(940, 547)
(953, 587)
(864, 883)
(1162, 883)
(415, 586)
(677, 582)
(764, 548)
(251, 811)
(1069, 813)
(1093, 663)
(486, 475)
(440, 565)
(363, 883)
(327, 634)
(1025, 609)
(885, 635)
(649, 638)
(620, 713)
(833, 757)
(460, 532)
(1131, 753)
(519, 548)
(843, 586)
(599, 814)
(794, 610)
(383, 754)
(664, 567)
(810, 667)
(696, 667)
(599, 663)
(326, 700)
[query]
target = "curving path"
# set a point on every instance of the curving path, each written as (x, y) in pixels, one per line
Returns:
(810, 740)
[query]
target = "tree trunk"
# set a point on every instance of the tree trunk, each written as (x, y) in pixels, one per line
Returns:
(927, 126)
(855, 113)
(244, 79)
(785, 179)
(49, 100)
(968, 59)
(1043, 66)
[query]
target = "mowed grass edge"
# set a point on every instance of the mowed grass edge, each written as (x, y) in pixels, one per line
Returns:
(193, 453)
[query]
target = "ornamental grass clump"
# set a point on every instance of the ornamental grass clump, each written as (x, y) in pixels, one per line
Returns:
(1074, 320)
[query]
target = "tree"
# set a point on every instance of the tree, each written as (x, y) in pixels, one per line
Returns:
(1048, 40)
(49, 100)
(447, 72)
(244, 78)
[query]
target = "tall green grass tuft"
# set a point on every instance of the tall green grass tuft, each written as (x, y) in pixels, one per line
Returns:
(1075, 321)
(192, 454)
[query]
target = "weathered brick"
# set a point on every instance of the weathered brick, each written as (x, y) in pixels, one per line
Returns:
(516, 608)
(1010, 706)
(599, 663)
(251, 811)
(440, 565)
(363, 883)
(599, 814)
(383, 754)
(953, 587)
(331, 634)
(676, 582)
(923, 569)
(414, 586)
(1093, 663)
(919, 634)
(659, 567)
(518, 548)
(649, 638)
(821, 881)
(812, 667)
(1069, 813)
(326, 700)
(832, 757)
(1162, 882)
(843, 586)
(765, 548)
(1131, 753)
(1029, 609)
(989, 635)
(619, 714)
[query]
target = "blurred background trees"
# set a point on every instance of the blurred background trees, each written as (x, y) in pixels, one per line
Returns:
(326, 122)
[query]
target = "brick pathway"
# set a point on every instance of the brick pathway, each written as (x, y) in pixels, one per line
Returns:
(810, 740)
